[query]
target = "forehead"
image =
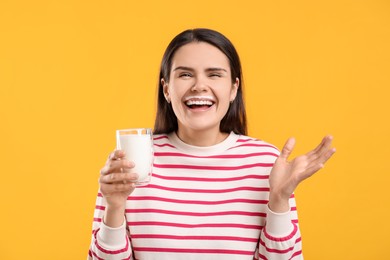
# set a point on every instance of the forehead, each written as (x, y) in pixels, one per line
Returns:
(200, 54)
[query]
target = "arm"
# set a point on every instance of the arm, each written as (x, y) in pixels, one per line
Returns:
(280, 238)
(109, 237)
(108, 242)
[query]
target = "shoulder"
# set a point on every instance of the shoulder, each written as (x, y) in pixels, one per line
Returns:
(252, 143)
(163, 142)
(160, 137)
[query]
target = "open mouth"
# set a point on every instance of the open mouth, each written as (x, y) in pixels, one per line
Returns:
(199, 103)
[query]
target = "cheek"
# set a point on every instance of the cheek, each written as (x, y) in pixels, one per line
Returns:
(226, 96)
(175, 96)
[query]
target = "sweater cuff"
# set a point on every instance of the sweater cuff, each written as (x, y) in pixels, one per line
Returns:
(112, 237)
(279, 224)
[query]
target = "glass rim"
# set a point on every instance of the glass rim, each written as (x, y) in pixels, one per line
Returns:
(134, 131)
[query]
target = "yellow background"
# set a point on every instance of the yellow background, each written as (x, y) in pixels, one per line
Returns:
(72, 72)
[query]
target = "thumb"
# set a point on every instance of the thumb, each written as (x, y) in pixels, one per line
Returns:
(287, 148)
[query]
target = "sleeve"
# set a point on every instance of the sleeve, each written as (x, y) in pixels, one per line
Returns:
(280, 238)
(106, 242)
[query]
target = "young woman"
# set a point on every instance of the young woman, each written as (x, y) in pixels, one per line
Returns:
(215, 193)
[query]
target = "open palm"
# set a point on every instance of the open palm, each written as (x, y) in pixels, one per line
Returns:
(286, 175)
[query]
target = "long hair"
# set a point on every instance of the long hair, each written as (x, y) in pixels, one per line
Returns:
(235, 118)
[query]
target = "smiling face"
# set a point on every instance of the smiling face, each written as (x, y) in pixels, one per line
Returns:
(200, 87)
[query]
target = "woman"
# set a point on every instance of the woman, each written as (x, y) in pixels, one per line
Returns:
(215, 192)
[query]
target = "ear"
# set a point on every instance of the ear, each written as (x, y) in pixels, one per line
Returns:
(234, 90)
(165, 90)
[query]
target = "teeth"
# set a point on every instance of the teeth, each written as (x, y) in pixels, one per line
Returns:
(199, 102)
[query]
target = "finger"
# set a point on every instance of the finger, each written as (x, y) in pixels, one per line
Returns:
(326, 151)
(326, 156)
(287, 148)
(118, 178)
(319, 163)
(327, 143)
(116, 166)
(107, 189)
(322, 147)
(317, 148)
(117, 154)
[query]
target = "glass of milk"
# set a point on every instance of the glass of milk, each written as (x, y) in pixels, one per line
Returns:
(137, 143)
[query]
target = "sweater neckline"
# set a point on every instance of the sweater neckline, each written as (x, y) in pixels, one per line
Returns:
(203, 150)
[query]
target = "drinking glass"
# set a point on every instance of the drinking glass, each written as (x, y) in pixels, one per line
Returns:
(137, 143)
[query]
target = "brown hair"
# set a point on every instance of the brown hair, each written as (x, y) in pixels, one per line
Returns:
(235, 118)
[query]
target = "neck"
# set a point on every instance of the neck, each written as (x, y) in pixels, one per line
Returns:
(201, 137)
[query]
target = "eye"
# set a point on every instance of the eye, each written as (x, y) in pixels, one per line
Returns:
(185, 75)
(215, 75)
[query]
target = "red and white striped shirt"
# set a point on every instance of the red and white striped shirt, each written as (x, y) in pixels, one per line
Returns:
(202, 203)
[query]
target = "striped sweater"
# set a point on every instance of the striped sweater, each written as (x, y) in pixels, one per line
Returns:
(202, 203)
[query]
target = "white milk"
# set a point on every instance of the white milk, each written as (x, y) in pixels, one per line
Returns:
(138, 149)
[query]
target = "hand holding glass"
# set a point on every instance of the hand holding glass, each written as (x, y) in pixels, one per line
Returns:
(137, 143)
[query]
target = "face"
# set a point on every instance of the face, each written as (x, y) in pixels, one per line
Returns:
(200, 88)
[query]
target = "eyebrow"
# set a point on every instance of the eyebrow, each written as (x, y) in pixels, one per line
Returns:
(191, 69)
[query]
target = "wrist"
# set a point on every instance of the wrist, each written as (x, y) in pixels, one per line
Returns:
(114, 216)
(278, 203)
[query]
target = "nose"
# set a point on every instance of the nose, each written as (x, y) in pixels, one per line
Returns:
(200, 85)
